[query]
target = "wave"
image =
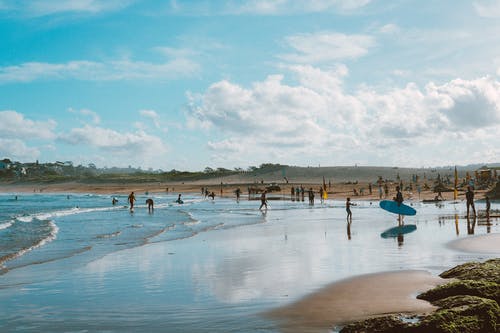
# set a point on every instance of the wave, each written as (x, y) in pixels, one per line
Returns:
(49, 238)
(62, 213)
(111, 235)
(6, 225)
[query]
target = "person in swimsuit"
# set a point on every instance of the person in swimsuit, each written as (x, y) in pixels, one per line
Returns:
(348, 205)
(263, 200)
(150, 204)
(469, 196)
(131, 199)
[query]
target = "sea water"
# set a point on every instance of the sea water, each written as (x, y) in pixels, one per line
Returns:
(73, 262)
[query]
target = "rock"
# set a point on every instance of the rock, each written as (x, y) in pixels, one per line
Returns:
(464, 314)
(486, 271)
(386, 324)
(469, 305)
(480, 288)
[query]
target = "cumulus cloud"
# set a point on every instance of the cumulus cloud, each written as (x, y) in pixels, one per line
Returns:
(138, 145)
(323, 47)
(318, 117)
(99, 71)
(17, 150)
(14, 125)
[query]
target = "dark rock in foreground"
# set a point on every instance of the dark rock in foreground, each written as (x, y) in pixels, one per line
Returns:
(469, 305)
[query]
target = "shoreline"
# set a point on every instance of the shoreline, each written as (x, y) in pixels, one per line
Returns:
(338, 191)
(488, 244)
(358, 298)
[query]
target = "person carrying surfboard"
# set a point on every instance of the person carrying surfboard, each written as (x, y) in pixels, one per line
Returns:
(399, 196)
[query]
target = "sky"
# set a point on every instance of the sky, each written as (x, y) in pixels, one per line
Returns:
(189, 84)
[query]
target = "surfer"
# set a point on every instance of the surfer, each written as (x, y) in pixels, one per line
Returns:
(399, 196)
(263, 200)
(114, 201)
(131, 199)
(469, 196)
(212, 195)
(150, 204)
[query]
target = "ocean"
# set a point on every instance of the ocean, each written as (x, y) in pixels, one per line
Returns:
(77, 263)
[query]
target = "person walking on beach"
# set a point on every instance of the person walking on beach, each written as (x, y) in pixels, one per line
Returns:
(348, 205)
(399, 199)
(399, 196)
(488, 207)
(238, 192)
(131, 199)
(263, 200)
(150, 204)
(469, 197)
(311, 196)
(321, 195)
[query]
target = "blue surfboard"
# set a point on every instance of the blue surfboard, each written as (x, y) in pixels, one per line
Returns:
(393, 207)
(396, 231)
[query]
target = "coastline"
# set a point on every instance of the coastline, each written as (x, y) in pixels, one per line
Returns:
(488, 244)
(358, 298)
(338, 191)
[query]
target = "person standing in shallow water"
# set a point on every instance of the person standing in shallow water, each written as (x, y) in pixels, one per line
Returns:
(469, 197)
(348, 205)
(150, 204)
(488, 207)
(131, 199)
(263, 200)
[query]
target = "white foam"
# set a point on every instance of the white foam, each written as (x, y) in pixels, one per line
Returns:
(5, 225)
(61, 213)
(52, 236)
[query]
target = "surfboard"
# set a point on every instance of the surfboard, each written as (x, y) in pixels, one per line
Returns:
(393, 207)
(395, 231)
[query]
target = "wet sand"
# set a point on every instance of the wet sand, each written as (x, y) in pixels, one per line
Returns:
(358, 298)
(478, 244)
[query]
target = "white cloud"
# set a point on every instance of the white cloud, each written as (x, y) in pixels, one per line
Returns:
(35, 8)
(390, 28)
(279, 7)
(151, 114)
(487, 8)
(135, 146)
(89, 113)
(323, 47)
(17, 150)
(14, 125)
(317, 118)
(99, 71)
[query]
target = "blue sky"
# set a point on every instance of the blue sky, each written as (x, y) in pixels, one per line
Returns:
(188, 84)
